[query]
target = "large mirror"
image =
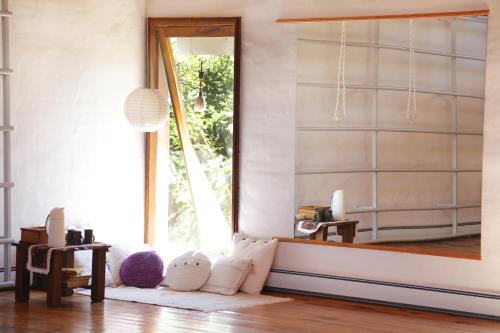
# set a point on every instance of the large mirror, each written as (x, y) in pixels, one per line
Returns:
(390, 118)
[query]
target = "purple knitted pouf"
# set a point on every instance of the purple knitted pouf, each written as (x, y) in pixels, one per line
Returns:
(142, 270)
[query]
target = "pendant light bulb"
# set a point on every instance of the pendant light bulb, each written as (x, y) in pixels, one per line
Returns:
(199, 104)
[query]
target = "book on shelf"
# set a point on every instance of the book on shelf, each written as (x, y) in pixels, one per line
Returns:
(71, 271)
(76, 281)
(72, 278)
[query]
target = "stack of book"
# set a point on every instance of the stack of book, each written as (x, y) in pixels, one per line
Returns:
(73, 278)
(307, 212)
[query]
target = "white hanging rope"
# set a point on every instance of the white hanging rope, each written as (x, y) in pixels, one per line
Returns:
(340, 114)
(411, 108)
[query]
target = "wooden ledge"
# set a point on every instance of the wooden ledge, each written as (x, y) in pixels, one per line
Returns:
(479, 12)
(380, 248)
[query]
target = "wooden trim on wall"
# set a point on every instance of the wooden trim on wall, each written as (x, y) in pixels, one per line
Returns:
(479, 12)
(151, 144)
(380, 248)
(150, 192)
(162, 22)
(200, 31)
(236, 125)
(190, 27)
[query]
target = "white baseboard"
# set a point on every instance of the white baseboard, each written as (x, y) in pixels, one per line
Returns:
(7, 284)
(395, 294)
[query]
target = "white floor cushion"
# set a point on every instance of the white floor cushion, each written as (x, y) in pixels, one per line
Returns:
(261, 253)
(188, 272)
(83, 260)
(227, 275)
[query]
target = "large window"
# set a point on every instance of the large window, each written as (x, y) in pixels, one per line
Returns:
(192, 162)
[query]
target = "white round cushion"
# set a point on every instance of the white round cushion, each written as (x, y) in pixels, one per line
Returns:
(188, 272)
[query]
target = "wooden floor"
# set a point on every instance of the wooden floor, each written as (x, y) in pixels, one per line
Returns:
(469, 245)
(303, 314)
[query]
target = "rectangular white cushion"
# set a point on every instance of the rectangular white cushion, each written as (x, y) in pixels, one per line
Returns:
(262, 254)
(83, 260)
(227, 275)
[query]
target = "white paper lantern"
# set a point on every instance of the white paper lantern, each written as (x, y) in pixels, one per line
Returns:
(146, 109)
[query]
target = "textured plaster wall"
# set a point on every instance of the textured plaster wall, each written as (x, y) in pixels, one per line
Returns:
(74, 63)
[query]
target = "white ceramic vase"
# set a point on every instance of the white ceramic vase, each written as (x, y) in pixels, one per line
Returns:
(55, 228)
(337, 205)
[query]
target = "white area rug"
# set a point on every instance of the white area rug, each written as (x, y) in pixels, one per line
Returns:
(194, 300)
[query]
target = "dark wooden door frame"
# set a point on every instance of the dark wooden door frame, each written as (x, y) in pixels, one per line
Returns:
(190, 27)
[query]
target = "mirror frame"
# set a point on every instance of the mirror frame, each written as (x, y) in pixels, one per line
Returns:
(479, 12)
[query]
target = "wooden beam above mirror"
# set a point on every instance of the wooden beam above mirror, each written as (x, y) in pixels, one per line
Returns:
(480, 12)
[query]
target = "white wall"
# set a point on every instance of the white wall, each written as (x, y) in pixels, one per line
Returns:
(268, 107)
(74, 63)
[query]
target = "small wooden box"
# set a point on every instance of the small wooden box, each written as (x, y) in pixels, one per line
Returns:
(34, 235)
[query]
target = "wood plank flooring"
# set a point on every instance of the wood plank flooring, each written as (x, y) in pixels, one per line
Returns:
(468, 245)
(303, 314)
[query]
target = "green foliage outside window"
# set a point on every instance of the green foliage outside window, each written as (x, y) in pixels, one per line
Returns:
(212, 138)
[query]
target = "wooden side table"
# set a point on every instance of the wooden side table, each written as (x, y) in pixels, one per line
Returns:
(347, 229)
(60, 257)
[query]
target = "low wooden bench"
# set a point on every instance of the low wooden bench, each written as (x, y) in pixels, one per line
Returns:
(60, 257)
(346, 229)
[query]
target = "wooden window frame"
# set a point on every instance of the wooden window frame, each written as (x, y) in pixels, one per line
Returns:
(190, 27)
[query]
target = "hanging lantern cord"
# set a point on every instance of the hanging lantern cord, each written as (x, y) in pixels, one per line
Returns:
(340, 111)
(200, 76)
(411, 108)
